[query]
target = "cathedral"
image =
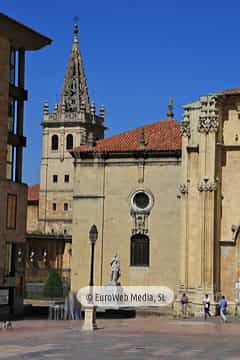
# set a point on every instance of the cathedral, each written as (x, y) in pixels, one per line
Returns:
(164, 197)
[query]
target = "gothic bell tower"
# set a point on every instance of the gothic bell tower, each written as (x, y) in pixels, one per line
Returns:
(72, 123)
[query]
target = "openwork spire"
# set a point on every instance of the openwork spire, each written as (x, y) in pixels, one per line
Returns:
(170, 113)
(74, 97)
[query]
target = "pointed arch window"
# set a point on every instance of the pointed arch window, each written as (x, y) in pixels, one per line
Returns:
(55, 142)
(69, 144)
(139, 250)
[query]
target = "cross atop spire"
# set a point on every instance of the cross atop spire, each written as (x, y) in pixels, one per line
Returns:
(74, 97)
(170, 113)
(75, 29)
(75, 33)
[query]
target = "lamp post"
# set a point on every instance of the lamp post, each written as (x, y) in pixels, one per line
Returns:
(93, 235)
(90, 309)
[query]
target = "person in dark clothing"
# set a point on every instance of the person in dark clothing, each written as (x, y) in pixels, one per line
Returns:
(184, 302)
(206, 305)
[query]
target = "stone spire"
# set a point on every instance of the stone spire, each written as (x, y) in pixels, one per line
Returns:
(74, 95)
(170, 113)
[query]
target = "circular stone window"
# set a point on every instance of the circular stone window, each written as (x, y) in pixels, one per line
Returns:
(141, 200)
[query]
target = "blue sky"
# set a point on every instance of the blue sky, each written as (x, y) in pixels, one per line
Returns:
(136, 54)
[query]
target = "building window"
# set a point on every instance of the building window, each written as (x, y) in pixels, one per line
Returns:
(54, 206)
(65, 206)
(12, 111)
(66, 178)
(139, 250)
(141, 200)
(54, 142)
(69, 144)
(16, 140)
(11, 211)
(55, 178)
(12, 70)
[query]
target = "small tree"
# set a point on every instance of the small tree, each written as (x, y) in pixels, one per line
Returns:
(53, 287)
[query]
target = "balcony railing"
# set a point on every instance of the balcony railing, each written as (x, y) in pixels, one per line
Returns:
(41, 275)
(35, 280)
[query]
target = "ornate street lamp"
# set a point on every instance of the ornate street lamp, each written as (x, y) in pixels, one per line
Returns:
(19, 255)
(90, 309)
(32, 255)
(44, 255)
(93, 235)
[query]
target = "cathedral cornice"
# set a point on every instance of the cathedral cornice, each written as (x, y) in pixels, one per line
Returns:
(144, 154)
(75, 123)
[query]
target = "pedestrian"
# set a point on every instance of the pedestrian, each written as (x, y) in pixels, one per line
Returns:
(184, 302)
(78, 310)
(66, 308)
(206, 305)
(223, 307)
(71, 302)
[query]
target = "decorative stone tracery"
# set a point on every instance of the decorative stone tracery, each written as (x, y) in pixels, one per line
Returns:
(207, 185)
(141, 203)
(140, 224)
(208, 120)
(185, 124)
(183, 188)
(185, 129)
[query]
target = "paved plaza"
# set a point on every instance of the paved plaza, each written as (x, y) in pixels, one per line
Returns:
(141, 338)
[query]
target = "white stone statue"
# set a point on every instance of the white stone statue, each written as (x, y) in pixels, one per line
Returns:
(115, 269)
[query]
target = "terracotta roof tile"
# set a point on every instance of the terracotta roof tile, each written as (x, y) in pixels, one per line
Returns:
(33, 192)
(234, 91)
(163, 135)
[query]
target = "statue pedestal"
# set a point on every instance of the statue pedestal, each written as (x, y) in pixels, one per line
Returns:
(113, 283)
(113, 288)
(90, 318)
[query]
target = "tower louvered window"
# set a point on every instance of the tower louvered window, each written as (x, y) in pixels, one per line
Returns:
(69, 144)
(54, 142)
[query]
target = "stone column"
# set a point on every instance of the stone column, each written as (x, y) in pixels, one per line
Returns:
(197, 244)
(183, 188)
(208, 126)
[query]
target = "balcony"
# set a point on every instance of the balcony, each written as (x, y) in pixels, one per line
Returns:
(13, 203)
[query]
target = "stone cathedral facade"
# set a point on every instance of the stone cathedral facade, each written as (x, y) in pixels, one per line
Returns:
(164, 197)
(210, 258)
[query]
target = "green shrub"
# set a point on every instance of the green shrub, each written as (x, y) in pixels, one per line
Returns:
(53, 287)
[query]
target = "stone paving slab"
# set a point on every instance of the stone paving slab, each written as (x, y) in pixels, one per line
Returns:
(132, 339)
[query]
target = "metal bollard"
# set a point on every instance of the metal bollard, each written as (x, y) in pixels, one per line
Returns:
(62, 312)
(51, 312)
(56, 312)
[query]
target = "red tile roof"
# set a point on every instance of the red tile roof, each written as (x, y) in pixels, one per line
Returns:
(33, 192)
(234, 91)
(163, 135)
